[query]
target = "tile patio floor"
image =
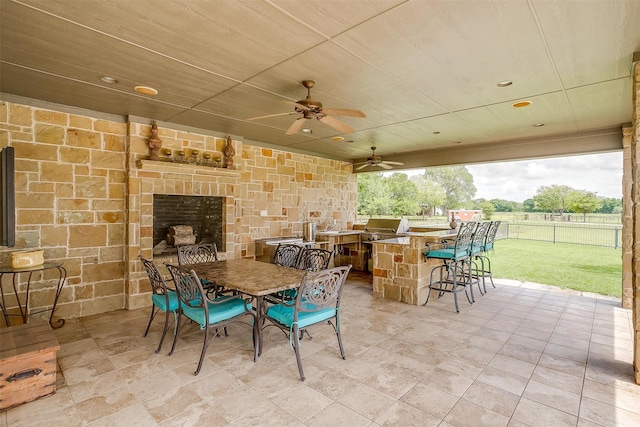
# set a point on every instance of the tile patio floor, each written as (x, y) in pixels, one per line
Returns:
(521, 355)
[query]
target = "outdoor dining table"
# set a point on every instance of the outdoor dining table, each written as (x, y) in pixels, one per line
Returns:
(254, 278)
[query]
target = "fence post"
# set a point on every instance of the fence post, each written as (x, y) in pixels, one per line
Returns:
(554, 233)
(615, 245)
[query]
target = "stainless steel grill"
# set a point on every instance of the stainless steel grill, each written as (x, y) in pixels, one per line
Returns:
(384, 228)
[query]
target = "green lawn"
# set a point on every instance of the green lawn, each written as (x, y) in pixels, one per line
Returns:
(583, 268)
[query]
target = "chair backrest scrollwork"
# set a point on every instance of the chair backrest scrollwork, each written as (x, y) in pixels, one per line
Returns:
(189, 288)
(462, 245)
(315, 259)
(287, 255)
(198, 253)
(321, 289)
(158, 284)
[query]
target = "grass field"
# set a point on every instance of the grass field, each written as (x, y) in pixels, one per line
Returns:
(583, 268)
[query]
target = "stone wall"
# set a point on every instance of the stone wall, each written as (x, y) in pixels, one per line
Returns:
(84, 194)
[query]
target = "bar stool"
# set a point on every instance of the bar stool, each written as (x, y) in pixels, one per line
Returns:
(454, 275)
(477, 244)
(486, 247)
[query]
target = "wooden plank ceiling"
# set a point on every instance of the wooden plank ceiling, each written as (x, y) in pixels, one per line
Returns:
(426, 73)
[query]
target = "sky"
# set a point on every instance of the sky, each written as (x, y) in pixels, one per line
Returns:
(520, 180)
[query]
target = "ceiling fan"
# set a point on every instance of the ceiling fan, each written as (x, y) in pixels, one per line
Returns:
(377, 161)
(310, 108)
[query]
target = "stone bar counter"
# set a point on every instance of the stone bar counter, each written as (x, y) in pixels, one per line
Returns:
(400, 272)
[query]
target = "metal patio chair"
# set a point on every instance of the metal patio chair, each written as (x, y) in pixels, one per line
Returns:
(210, 314)
(163, 298)
(317, 301)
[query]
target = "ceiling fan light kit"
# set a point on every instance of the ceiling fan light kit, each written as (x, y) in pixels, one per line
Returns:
(310, 108)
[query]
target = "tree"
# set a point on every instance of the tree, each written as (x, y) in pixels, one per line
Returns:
(529, 205)
(403, 193)
(609, 205)
(584, 202)
(431, 195)
(554, 198)
(373, 195)
(502, 205)
(487, 209)
(457, 183)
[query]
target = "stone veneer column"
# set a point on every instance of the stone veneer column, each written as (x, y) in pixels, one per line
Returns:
(627, 217)
(634, 230)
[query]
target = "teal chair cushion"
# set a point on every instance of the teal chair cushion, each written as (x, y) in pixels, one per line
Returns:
(228, 308)
(160, 301)
(284, 315)
(487, 247)
(444, 253)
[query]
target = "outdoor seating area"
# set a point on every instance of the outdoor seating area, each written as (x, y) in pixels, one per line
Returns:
(528, 355)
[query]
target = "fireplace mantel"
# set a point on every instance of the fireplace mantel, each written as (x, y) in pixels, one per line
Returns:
(186, 168)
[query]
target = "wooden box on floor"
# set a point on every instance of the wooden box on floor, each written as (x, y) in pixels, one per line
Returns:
(27, 363)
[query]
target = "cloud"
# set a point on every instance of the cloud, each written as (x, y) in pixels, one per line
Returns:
(520, 180)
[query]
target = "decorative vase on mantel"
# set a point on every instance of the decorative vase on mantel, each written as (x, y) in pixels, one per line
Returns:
(229, 152)
(154, 142)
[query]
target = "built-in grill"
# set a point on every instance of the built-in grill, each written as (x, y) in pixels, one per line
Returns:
(384, 228)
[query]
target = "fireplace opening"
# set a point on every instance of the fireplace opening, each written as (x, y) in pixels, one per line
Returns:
(204, 214)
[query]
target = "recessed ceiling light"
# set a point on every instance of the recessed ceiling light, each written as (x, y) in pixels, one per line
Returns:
(146, 90)
(538, 125)
(505, 83)
(338, 138)
(108, 79)
(521, 104)
(305, 130)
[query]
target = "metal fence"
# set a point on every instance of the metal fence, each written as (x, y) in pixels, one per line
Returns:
(614, 219)
(548, 231)
(577, 234)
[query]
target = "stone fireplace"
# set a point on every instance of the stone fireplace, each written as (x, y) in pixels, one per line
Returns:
(163, 194)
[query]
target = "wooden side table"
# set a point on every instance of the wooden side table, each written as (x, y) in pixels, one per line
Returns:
(23, 303)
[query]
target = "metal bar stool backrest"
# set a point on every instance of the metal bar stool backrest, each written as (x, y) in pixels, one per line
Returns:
(491, 236)
(287, 255)
(315, 259)
(462, 244)
(479, 237)
(198, 253)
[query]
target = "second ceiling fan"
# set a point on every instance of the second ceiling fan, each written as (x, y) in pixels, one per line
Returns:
(377, 161)
(310, 109)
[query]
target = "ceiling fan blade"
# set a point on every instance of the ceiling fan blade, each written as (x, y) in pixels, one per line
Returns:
(295, 126)
(383, 165)
(362, 167)
(389, 162)
(272, 115)
(336, 124)
(343, 112)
